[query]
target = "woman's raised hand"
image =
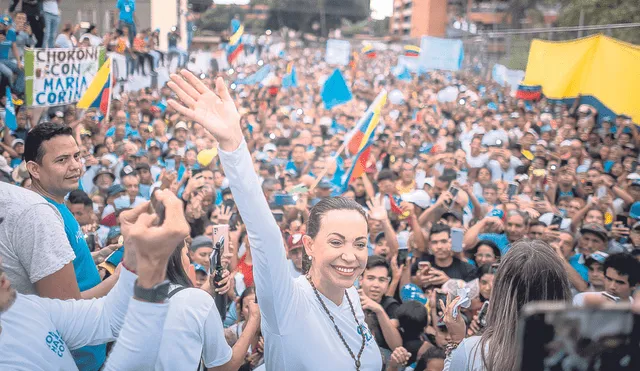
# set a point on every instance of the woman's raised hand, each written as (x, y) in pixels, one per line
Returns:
(216, 112)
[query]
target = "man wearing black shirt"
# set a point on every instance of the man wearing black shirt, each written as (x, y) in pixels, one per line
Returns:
(379, 308)
(442, 265)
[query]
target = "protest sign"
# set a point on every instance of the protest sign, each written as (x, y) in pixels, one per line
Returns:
(440, 54)
(338, 52)
(56, 77)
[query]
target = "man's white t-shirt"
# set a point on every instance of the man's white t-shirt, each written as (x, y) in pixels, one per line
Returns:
(33, 243)
(298, 332)
(39, 333)
(193, 330)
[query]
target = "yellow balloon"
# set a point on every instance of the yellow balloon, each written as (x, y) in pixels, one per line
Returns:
(206, 156)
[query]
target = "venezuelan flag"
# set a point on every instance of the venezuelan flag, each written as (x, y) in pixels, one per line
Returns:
(98, 94)
(394, 203)
(361, 134)
(411, 51)
(369, 52)
(358, 166)
(235, 44)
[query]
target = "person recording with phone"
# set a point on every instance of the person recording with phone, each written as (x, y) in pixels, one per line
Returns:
(440, 264)
(307, 318)
(621, 277)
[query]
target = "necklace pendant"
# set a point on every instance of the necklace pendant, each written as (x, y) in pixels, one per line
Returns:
(357, 365)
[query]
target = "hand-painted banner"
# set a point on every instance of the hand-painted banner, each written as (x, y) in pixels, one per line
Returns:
(440, 54)
(56, 77)
(338, 52)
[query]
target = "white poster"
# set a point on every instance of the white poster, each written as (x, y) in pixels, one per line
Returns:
(338, 52)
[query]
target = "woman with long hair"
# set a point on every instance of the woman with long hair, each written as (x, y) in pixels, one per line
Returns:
(313, 322)
(193, 328)
(530, 271)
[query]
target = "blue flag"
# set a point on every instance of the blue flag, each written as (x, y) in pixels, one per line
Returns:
(10, 112)
(335, 90)
(405, 75)
(256, 77)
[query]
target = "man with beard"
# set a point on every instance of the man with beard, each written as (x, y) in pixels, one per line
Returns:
(515, 228)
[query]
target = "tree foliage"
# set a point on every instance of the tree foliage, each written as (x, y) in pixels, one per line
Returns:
(303, 14)
(601, 12)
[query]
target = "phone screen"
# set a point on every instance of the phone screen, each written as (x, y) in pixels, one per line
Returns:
(602, 191)
(457, 235)
(221, 230)
(284, 200)
(440, 296)
(552, 334)
(539, 195)
(622, 219)
(454, 194)
(556, 220)
(482, 314)
(512, 189)
(402, 256)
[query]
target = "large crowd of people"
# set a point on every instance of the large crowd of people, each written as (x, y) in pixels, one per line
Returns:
(508, 201)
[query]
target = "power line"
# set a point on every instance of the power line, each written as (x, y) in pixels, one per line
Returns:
(560, 29)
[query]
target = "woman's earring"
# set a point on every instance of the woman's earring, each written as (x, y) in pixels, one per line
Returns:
(310, 258)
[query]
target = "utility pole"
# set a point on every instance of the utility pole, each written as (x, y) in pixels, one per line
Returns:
(581, 23)
(323, 18)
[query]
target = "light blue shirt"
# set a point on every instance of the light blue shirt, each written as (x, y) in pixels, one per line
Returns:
(89, 358)
(499, 239)
(126, 8)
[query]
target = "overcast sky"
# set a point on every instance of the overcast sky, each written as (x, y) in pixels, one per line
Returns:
(379, 8)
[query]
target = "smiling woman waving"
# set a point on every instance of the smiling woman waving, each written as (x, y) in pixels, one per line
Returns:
(313, 322)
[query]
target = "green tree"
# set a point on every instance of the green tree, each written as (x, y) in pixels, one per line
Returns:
(219, 18)
(601, 12)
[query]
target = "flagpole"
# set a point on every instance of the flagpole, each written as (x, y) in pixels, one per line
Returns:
(326, 168)
(106, 116)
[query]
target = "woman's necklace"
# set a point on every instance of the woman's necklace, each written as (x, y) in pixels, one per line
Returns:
(344, 342)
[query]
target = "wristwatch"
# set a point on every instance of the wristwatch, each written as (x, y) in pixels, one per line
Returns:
(156, 294)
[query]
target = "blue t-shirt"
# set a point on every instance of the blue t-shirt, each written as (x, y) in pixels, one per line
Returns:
(126, 8)
(5, 46)
(93, 357)
(499, 239)
(574, 262)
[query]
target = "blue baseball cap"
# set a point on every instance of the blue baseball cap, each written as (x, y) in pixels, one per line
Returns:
(200, 268)
(6, 20)
(496, 212)
(115, 189)
(113, 232)
(411, 291)
(634, 211)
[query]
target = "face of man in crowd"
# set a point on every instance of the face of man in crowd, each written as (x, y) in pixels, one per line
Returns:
(617, 284)
(83, 213)
(440, 245)
(596, 275)
(60, 168)
(131, 185)
(515, 227)
(381, 248)
(145, 176)
(536, 232)
(298, 154)
(181, 135)
(375, 282)
(594, 216)
(490, 196)
(590, 243)
(295, 255)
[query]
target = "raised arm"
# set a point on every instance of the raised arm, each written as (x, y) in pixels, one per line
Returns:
(217, 113)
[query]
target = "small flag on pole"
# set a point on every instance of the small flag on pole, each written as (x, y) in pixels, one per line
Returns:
(98, 94)
(358, 167)
(411, 51)
(369, 52)
(290, 79)
(235, 45)
(361, 134)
